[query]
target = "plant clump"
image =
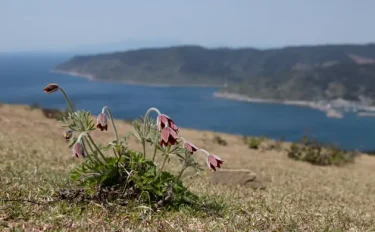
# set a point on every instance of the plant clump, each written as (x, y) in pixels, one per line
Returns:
(253, 142)
(315, 153)
(219, 140)
(112, 171)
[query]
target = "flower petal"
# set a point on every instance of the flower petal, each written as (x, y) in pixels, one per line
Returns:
(217, 157)
(164, 120)
(165, 134)
(208, 162)
(173, 133)
(213, 167)
(162, 143)
(173, 125)
(158, 123)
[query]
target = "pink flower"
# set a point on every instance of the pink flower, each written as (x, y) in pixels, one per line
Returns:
(50, 88)
(102, 121)
(78, 150)
(168, 136)
(164, 121)
(214, 161)
(190, 147)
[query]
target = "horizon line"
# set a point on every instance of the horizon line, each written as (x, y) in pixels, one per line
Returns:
(260, 48)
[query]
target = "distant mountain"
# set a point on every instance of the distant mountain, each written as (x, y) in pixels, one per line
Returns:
(125, 45)
(291, 73)
(90, 49)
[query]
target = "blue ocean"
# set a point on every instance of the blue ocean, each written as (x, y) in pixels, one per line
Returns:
(23, 77)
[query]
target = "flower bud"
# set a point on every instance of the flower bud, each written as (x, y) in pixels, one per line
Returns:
(68, 135)
(50, 88)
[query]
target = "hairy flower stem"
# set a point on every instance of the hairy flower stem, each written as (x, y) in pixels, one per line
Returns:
(96, 147)
(183, 139)
(80, 137)
(67, 100)
(145, 120)
(84, 145)
(149, 111)
(144, 148)
(118, 159)
(114, 152)
(93, 152)
(182, 171)
(166, 153)
(106, 108)
(204, 151)
(155, 149)
(70, 105)
(162, 166)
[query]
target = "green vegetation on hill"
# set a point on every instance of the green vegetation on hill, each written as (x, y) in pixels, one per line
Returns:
(293, 73)
(316, 153)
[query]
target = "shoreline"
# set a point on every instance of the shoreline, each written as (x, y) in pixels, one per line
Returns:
(333, 109)
(323, 106)
(327, 107)
(129, 82)
(75, 74)
(239, 97)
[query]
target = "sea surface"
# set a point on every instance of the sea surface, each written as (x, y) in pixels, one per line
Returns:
(23, 77)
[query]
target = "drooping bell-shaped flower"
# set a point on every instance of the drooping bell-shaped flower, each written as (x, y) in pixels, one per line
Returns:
(78, 150)
(164, 121)
(102, 121)
(168, 136)
(191, 148)
(214, 161)
(50, 88)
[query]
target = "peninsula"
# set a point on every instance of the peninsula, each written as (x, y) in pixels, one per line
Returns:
(322, 73)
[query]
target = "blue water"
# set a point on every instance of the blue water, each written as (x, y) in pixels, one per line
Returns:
(23, 77)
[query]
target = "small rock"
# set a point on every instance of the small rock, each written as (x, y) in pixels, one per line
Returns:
(233, 177)
(256, 184)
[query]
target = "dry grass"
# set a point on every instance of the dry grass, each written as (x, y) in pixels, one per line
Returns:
(299, 196)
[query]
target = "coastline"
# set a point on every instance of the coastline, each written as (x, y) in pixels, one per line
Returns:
(239, 97)
(328, 108)
(332, 109)
(93, 78)
(75, 74)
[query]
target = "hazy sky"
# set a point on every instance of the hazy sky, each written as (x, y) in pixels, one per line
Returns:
(52, 24)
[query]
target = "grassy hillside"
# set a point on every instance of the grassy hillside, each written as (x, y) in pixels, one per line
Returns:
(35, 161)
(292, 73)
